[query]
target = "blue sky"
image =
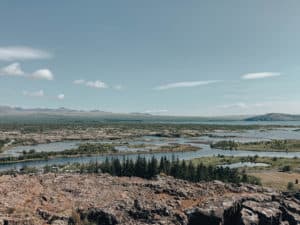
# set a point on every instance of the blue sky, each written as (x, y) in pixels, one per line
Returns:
(170, 57)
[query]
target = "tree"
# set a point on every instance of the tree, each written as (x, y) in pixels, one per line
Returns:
(152, 167)
(141, 167)
(191, 175)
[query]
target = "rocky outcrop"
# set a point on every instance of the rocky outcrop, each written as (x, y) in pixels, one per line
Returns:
(71, 199)
(97, 216)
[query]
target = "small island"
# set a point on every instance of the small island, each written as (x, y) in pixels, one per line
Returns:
(273, 145)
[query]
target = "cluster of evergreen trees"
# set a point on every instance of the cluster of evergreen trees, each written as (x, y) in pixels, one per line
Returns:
(141, 167)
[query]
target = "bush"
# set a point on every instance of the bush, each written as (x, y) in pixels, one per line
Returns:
(286, 168)
(226, 145)
(290, 186)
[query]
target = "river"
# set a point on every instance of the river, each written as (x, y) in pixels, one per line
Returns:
(155, 142)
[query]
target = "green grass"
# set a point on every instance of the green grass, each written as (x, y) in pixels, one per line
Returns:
(278, 164)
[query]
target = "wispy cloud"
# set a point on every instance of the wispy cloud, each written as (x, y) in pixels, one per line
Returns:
(234, 105)
(186, 84)
(78, 81)
(96, 84)
(158, 111)
(118, 87)
(61, 96)
(278, 106)
(39, 93)
(15, 69)
(253, 76)
(12, 53)
(243, 105)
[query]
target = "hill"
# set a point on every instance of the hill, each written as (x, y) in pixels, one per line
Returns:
(274, 117)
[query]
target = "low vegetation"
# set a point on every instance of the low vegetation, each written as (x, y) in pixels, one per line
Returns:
(226, 145)
(275, 163)
(3, 143)
(274, 145)
(89, 149)
(280, 173)
(83, 149)
(176, 148)
(284, 181)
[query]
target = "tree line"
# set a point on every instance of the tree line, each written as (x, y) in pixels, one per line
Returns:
(141, 167)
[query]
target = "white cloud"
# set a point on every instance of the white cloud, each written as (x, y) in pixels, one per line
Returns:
(78, 81)
(61, 96)
(39, 93)
(43, 74)
(242, 105)
(251, 108)
(93, 84)
(96, 84)
(186, 84)
(12, 53)
(157, 111)
(252, 76)
(13, 69)
(234, 105)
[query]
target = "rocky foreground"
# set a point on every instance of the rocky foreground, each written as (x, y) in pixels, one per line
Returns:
(103, 199)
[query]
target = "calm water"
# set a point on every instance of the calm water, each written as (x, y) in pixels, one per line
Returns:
(245, 164)
(236, 122)
(155, 142)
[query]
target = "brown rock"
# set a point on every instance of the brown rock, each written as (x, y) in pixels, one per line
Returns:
(62, 199)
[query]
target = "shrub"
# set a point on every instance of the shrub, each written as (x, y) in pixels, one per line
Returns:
(286, 168)
(290, 186)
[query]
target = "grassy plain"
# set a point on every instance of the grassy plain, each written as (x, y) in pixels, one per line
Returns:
(280, 172)
(278, 180)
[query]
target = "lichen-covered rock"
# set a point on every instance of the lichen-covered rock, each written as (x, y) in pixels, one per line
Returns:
(61, 199)
(248, 217)
(268, 212)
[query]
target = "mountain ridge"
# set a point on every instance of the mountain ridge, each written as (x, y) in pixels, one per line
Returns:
(62, 112)
(275, 117)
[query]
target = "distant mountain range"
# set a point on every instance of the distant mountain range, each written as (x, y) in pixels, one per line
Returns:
(8, 113)
(18, 110)
(274, 117)
(18, 114)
